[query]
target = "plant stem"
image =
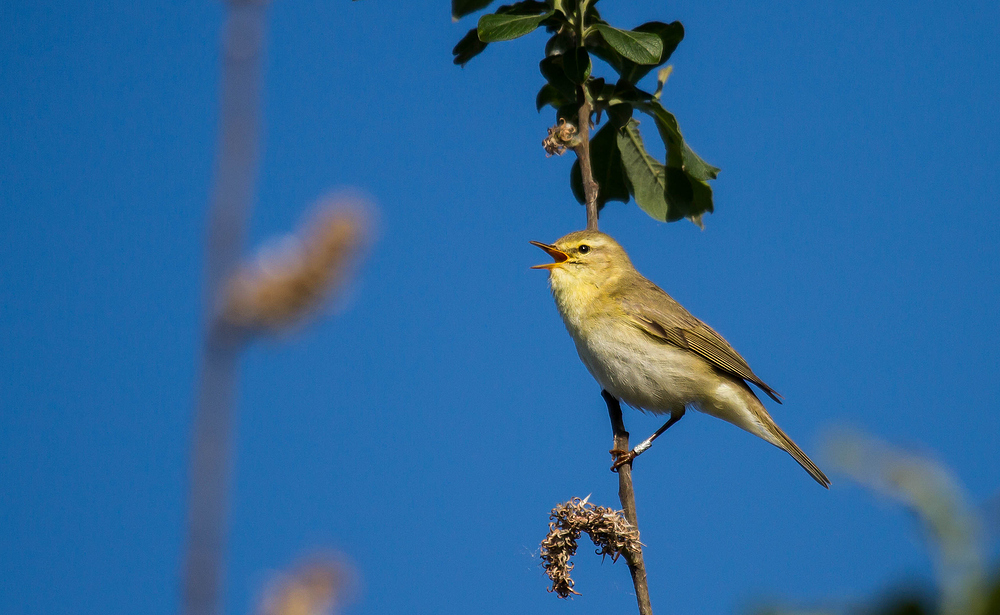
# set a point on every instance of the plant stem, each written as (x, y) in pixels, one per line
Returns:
(626, 494)
(210, 476)
(228, 214)
(582, 150)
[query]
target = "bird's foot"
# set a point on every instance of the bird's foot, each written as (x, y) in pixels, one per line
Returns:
(621, 458)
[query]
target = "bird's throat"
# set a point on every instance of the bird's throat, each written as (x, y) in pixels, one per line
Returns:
(575, 298)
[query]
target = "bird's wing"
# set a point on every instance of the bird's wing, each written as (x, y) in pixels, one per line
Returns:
(664, 319)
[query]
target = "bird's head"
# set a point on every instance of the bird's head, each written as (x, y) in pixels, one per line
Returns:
(584, 257)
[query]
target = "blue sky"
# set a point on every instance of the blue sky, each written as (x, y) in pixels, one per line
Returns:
(426, 430)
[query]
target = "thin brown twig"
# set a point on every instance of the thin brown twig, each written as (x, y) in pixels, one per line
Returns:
(626, 494)
(582, 150)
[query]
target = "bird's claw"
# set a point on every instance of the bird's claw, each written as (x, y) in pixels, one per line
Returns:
(621, 458)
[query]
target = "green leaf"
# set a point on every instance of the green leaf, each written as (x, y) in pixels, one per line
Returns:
(469, 47)
(524, 7)
(679, 153)
(692, 197)
(600, 92)
(670, 36)
(647, 179)
(626, 92)
(461, 8)
(566, 7)
(549, 95)
(679, 193)
(701, 201)
(553, 71)
(665, 192)
(496, 27)
(472, 45)
(640, 47)
(661, 80)
(597, 46)
(555, 22)
(592, 15)
(606, 164)
(620, 114)
(569, 112)
(559, 44)
(576, 63)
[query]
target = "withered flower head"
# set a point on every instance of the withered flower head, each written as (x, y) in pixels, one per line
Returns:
(561, 136)
(607, 528)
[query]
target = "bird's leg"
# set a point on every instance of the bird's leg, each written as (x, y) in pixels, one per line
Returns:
(615, 412)
(617, 425)
(623, 457)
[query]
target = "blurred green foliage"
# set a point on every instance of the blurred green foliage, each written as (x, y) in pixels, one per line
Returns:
(952, 526)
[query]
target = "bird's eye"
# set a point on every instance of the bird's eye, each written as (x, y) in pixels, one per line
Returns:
(583, 249)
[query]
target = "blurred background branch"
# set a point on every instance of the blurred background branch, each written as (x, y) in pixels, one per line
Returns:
(938, 500)
(229, 212)
(280, 288)
(952, 526)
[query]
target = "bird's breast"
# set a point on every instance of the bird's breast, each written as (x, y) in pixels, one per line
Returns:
(642, 372)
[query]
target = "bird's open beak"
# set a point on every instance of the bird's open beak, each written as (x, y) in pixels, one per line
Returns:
(557, 255)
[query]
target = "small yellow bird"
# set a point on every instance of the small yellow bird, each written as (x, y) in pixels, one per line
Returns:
(645, 349)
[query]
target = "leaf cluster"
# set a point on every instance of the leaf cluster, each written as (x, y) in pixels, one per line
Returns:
(668, 190)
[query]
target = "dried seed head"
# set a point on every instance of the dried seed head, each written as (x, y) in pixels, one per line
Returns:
(608, 529)
(312, 589)
(289, 281)
(561, 136)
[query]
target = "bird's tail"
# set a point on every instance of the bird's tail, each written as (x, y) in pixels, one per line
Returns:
(782, 441)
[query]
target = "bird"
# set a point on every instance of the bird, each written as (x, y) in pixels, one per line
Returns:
(646, 350)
